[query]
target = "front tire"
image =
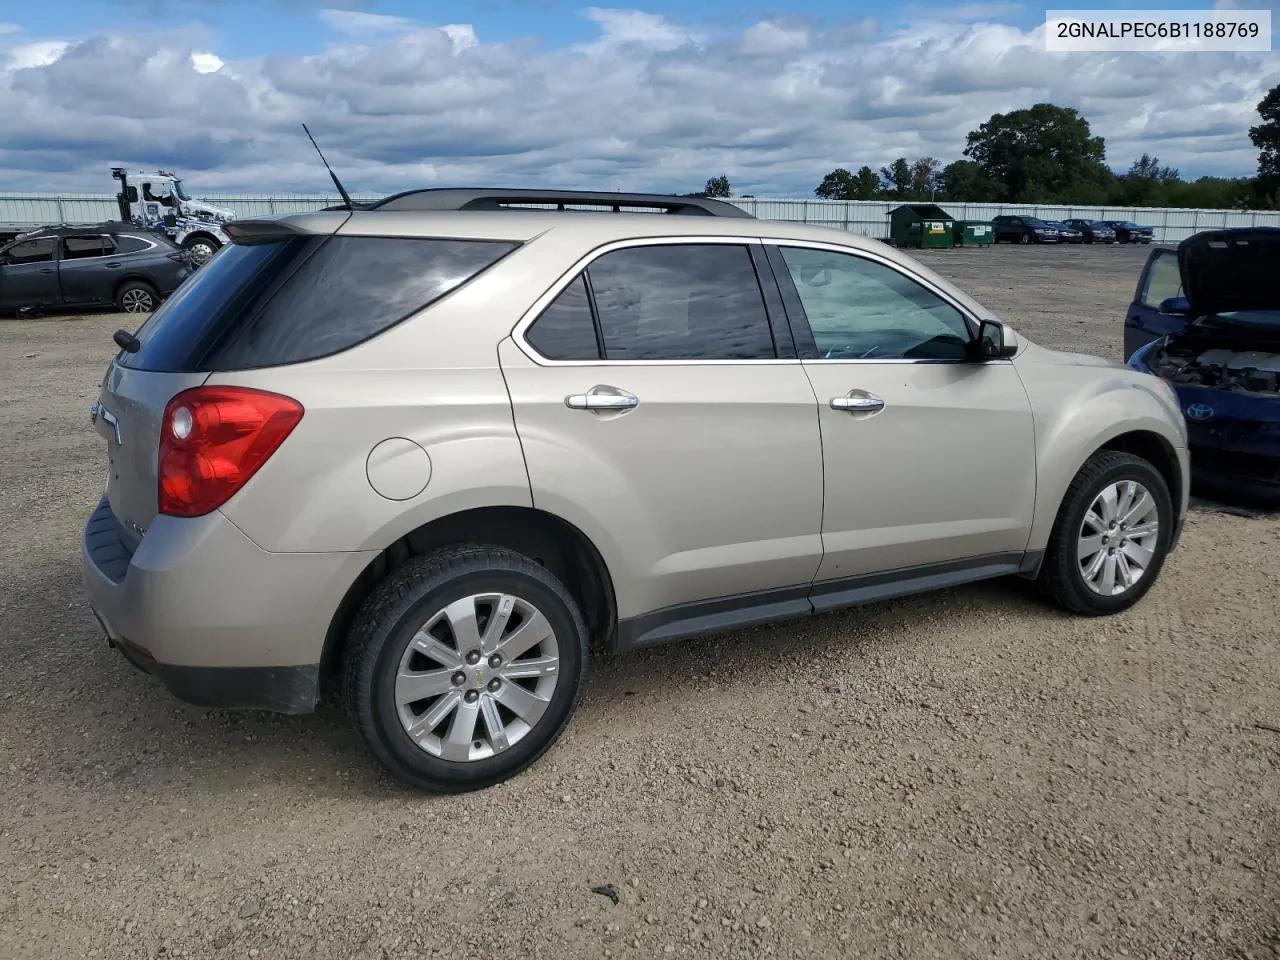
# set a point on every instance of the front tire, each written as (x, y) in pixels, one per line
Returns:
(1026, 238)
(464, 666)
(1111, 535)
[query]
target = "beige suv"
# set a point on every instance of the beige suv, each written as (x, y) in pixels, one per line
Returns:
(438, 447)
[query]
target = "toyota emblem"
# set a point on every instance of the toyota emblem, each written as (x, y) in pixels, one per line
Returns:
(1199, 411)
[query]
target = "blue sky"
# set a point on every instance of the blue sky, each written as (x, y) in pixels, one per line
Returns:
(646, 95)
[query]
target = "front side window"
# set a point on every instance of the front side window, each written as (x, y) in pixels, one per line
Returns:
(30, 251)
(859, 309)
(681, 302)
(1163, 280)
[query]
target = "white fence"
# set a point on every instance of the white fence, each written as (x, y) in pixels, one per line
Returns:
(869, 217)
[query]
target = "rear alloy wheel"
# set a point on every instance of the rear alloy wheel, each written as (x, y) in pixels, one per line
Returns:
(136, 297)
(1110, 537)
(464, 666)
(1026, 238)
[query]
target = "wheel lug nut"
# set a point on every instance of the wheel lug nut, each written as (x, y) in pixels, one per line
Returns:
(494, 684)
(472, 696)
(495, 661)
(473, 657)
(459, 678)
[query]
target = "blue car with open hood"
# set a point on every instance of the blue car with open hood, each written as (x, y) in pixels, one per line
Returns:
(1214, 335)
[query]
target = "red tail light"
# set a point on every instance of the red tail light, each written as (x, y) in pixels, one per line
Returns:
(178, 257)
(213, 439)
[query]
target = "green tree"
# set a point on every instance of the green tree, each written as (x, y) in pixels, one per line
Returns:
(718, 187)
(840, 184)
(1147, 184)
(924, 177)
(1266, 137)
(966, 182)
(1043, 153)
(898, 178)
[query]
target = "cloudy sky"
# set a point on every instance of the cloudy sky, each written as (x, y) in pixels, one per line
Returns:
(658, 96)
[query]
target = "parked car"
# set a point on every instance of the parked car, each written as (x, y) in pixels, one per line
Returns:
(436, 446)
(1066, 234)
(1216, 339)
(1093, 231)
(109, 264)
(1023, 230)
(1129, 232)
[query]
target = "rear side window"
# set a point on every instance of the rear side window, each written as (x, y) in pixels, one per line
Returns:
(1162, 281)
(564, 330)
(681, 302)
(269, 304)
(128, 244)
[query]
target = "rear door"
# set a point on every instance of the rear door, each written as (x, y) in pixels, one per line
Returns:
(88, 269)
(1159, 281)
(29, 275)
(662, 413)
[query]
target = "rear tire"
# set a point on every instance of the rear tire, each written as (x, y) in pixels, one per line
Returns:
(1025, 238)
(201, 249)
(478, 721)
(137, 296)
(1065, 576)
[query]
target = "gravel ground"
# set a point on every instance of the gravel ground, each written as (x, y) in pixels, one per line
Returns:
(964, 774)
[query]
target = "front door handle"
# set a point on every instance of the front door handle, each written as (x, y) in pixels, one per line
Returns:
(858, 401)
(602, 399)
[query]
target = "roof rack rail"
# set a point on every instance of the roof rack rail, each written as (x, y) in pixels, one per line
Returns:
(476, 198)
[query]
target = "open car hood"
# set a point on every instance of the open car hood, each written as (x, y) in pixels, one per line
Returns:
(1230, 270)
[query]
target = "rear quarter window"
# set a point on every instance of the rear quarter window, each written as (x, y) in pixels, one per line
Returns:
(270, 304)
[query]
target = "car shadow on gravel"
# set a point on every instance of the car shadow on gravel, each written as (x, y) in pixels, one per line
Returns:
(121, 732)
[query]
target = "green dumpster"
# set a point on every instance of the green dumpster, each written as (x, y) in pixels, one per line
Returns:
(920, 225)
(974, 233)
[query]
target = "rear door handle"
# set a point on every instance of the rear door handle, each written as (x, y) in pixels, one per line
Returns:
(113, 266)
(47, 270)
(602, 398)
(858, 401)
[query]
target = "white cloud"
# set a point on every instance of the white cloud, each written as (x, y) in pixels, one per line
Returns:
(356, 23)
(7, 28)
(206, 62)
(649, 103)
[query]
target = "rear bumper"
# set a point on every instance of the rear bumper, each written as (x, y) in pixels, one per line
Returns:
(221, 622)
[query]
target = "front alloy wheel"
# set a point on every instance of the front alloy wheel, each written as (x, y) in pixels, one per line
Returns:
(1118, 537)
(1110, 537)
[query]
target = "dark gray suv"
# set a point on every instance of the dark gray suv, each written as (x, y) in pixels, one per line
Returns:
(104, 265)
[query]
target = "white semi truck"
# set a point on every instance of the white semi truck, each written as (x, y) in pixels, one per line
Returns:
(157, 200)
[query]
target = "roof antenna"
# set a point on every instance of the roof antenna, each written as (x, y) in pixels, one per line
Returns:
(346, 199)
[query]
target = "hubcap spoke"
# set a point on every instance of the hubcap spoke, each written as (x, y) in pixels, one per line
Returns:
(1143, 530)
(457, 742)
(497, 624)
(525, 705)
(1089, 546)
(415, 685)
(1108, 578)
(428, 645)
(1139, 554)
(529, 668)
(461, 615)
(1125, 576)
(493, 723)
(1144, 505)
(431, 719)
(533, 631)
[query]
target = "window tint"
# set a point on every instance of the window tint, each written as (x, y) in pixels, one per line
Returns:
(78, 248)
(262, 305)
(564, 330)
(1163, 280)
(31, 251)
(860, 309)
(128, 244)
(681, 302)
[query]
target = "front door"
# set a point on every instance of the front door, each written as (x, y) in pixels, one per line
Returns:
(657, 415)
(29, 275)
(1144, 322)
(929, 456)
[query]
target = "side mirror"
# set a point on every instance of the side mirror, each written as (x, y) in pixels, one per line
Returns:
(996, 341)
(1178, 306)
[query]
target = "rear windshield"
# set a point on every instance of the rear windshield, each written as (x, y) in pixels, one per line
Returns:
(268, 304)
